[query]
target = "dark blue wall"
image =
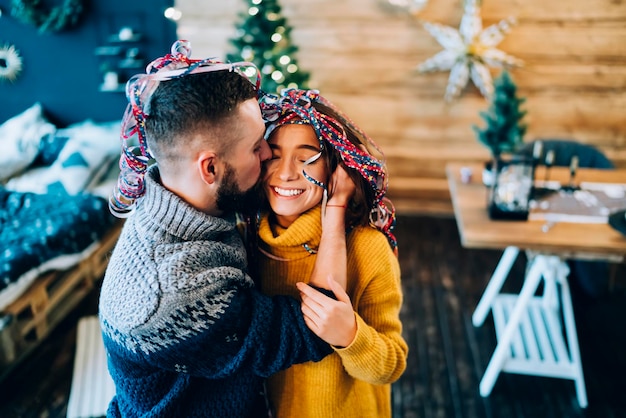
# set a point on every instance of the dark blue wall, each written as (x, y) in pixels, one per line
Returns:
(62, 71)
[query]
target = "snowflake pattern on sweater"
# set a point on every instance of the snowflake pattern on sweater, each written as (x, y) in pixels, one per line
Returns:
(186, 332)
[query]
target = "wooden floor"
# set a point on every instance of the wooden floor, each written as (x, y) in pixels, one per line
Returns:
(448, 355)
(443, 283)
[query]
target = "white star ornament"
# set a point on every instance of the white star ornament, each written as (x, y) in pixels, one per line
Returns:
(469, 52)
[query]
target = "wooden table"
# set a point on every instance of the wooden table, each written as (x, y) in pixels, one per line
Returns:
(529, 327)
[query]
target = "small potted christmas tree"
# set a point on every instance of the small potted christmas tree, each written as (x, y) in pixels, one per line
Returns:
(511, 179)
(504, 130)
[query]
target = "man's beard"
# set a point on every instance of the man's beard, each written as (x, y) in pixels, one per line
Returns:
(230, 198)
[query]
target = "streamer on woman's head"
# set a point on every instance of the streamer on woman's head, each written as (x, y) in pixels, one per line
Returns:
(294, 106)
(134, 159)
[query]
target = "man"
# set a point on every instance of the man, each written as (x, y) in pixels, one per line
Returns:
(185, 331)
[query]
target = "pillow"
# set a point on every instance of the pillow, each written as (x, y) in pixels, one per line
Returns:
(85, 158)
(20, 138)
(102, 135)
(30, 181)
(49, 150)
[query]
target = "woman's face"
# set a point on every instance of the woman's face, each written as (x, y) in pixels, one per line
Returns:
(290, 193)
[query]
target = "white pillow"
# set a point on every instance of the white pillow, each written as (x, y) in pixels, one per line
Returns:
(20, 138)
(104, 136)
(85, 158)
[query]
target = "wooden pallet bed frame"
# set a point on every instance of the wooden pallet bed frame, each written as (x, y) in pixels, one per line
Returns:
(26, 322)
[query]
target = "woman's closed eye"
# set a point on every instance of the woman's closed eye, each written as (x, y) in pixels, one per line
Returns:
(312, 158)
(305, 159)
(309, 158)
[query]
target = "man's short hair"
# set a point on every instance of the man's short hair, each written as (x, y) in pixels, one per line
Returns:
(181, 107)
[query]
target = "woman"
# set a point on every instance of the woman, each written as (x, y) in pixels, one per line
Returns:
(309, 139)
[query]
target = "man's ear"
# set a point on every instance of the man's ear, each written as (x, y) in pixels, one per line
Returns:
(208, 165)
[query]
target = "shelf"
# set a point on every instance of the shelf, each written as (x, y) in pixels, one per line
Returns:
(108, 51)
(116, 38)
(119, 89)
(130, 63)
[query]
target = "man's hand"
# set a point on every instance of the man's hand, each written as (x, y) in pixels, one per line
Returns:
(331, 320)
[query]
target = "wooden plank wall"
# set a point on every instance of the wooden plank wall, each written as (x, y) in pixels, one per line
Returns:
(362, 55)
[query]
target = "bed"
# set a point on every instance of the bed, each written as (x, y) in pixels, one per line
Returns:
(56, 231)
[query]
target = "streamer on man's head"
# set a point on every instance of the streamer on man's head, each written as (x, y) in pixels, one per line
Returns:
(134, 159)
(294, 106)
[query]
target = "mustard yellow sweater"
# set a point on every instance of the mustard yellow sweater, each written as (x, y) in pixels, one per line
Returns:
(354, 381)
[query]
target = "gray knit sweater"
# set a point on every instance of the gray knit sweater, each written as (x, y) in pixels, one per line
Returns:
(186, 332)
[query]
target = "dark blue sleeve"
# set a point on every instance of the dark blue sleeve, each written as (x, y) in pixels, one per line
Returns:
(254, 333)
(279, 336)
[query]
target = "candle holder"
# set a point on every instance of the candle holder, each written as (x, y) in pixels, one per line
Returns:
(512, 188)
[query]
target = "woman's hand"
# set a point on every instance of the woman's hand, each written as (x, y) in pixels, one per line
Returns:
(341, 187)
(331, 320)
(331, 255)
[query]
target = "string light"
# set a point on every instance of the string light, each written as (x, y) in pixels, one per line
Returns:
(284, 60)
(277, 76)
(247, 53)
(253, 11)
(276, 37)
(173, 14)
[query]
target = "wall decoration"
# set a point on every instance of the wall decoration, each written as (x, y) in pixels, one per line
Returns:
(469, 51)
(66, 64)
(56, 19)
(10, 63)
(411, 6)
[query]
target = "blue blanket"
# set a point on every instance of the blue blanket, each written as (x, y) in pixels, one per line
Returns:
(36, 228)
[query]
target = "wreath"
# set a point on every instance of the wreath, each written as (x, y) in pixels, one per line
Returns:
(32, 12)
(10, 63)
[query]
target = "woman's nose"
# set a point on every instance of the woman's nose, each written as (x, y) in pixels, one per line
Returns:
(287, 170)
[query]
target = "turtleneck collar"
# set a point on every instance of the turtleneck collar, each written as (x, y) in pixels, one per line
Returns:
(162, 207)
(289, 242)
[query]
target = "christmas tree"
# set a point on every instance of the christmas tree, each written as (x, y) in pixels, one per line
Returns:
(504, 130)
(264, 39)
